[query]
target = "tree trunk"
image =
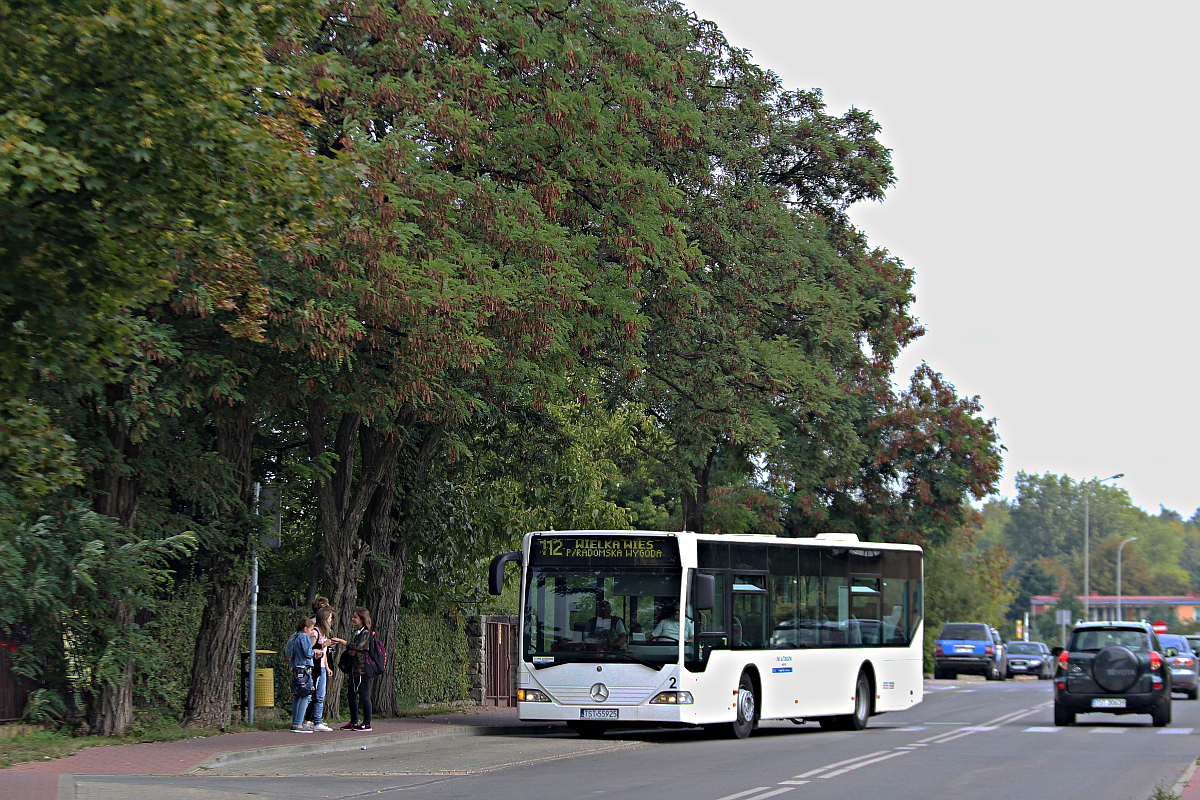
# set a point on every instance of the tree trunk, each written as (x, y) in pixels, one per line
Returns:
(389, 532)
(342, 505)
(110, 712)
(115, 494)
(695, 500)
(216, 657)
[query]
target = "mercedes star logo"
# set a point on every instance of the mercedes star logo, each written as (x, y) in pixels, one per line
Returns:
(599, 692)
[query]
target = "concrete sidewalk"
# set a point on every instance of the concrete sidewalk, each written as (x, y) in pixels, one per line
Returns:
(54, 779)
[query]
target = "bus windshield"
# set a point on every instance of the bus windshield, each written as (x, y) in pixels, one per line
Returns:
(607, 613)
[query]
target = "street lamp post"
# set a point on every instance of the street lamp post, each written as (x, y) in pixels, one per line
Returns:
(1087, 546)
(1119, 549)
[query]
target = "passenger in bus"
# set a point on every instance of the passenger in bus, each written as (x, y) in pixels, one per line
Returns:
(667, 629)
(604, 629)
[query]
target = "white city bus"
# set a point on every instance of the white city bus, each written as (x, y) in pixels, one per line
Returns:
(827, 629)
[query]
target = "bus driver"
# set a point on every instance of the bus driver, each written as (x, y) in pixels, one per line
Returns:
(605, 629)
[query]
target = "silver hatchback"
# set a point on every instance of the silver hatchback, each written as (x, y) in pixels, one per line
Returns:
(1185, 670)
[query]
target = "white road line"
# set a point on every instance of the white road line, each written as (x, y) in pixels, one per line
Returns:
(812, 772)
(743, 794)
(796, 783)
(1176, 730)
(771, 794)
(906, 730)
(1107, 730)
(1041, 730)
(865, 763)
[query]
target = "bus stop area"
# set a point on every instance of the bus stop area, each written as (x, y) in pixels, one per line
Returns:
(54, 779)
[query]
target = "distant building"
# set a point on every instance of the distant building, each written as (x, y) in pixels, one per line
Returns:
(1104, 606)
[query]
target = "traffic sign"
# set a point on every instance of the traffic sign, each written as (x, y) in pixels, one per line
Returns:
(1159, 626)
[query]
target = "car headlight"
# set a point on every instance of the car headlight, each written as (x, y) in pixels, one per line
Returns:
(1037, 662)
(672, 698)
(532, 696)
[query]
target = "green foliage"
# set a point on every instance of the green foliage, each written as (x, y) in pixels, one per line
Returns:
(129, 139)
(964, 582)
(431, 659)
(59, 575)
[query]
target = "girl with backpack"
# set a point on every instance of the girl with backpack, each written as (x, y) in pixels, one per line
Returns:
(360, 670)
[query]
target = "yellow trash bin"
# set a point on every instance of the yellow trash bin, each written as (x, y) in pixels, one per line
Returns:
(264, 688)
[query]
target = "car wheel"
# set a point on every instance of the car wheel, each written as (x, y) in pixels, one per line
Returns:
(940, 674)
(1063, 716)
(1193, 693)
(1115, 669)
(1161, 715)
(747, 709)
(993, 672)
(1008, 674)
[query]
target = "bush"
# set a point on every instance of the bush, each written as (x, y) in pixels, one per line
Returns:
(432, 664)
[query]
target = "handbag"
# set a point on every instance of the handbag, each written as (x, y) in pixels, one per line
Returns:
(346, 662)
(302, 681)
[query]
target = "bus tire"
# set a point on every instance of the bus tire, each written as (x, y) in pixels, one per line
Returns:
(856, 720)
(588, 730)
(747, 709)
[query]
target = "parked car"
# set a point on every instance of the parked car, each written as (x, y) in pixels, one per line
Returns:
(1030, 658)
(1112, 668)
(1185, 672)
(969, 647)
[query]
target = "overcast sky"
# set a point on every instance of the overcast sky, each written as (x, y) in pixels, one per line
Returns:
(1047, 169)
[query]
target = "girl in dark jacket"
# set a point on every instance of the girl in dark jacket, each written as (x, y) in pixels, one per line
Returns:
(359, 678)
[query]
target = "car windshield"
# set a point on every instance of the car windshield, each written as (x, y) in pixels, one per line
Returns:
(1024, 649)
(1096, 640)
(965, 631)
(1178, 642)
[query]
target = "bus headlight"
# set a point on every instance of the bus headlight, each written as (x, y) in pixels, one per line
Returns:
(532, 696)
(672, 698)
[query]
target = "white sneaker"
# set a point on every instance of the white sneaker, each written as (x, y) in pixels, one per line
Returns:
(308, 724)
(321, 726)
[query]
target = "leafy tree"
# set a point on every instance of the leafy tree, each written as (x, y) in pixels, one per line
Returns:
(129, 140)
(964, 581)
(70, 585)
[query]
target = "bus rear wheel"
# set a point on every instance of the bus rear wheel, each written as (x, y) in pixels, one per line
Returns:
(747, 709)
(857, 719)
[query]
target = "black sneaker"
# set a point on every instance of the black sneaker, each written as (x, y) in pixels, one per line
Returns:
(363, 727)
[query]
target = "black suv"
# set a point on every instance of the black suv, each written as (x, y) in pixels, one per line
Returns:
(1113, 668)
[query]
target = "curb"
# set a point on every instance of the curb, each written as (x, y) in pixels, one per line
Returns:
(340, 745)
(1181, 785)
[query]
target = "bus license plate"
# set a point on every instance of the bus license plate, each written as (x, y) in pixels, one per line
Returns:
(1108, 702)
(598, 713)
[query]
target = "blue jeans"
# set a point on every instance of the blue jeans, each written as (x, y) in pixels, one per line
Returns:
(299, 705)
(318, 697)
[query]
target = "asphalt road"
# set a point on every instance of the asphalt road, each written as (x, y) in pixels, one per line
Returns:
(968, 738)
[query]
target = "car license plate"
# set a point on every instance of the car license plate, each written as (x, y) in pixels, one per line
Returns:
(964, 648)
(1108, 702)
(598, 713)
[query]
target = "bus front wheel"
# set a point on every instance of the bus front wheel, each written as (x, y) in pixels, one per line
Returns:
(747, 709)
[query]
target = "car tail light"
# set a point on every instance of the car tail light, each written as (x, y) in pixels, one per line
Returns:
(1182, 661)
(1062, 659)
(991, 651)
(1155, 660)
(937, 649)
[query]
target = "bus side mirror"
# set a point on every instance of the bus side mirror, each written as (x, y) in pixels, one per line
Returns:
(496, 571)
(704, 591)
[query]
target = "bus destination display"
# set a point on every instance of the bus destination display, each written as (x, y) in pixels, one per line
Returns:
(639, 551)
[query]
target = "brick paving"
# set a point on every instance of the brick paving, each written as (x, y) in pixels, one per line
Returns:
(40, 780)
